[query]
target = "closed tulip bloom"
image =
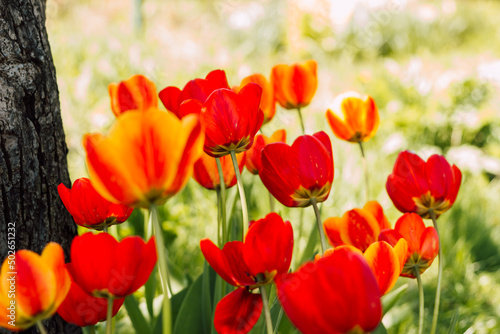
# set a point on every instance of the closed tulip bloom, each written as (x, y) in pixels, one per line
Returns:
(267, 103)
(295, 174)
(294, 85)
(265, 253)
(360, 228)
(335, 294)
(32, 286)
(423, 242)
(207, 175)
(361, 119)
(253, 161)
(102, 266)
(89, 209)
(145, 159)
(230, 119)
(419, 186)
(82, 309)
(136, 93)
(197, 89)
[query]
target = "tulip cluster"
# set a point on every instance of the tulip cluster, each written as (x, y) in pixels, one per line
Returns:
(210, 132)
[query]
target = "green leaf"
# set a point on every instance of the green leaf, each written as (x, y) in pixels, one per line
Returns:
(390, 299)
(176, 303)
(191, 313)
(206, 299)
(150, 291)
(136, 317)
(312, 242)
(380, 329)
(453, 324)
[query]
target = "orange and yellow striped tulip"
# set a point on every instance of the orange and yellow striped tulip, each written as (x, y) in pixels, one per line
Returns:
(136, 93)
(32, 286)
(146, 158)
(360, 121)
(294, 85)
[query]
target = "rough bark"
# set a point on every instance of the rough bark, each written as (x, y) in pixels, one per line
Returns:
(32, 142)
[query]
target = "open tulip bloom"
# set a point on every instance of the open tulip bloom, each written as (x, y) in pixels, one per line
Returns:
(83, 309)
(136, 93)
(32, 287)
(265, 253)
(338, 293)
(359, 229)
(197, 89)
(207, 175)
(89, 209)
(421, 187)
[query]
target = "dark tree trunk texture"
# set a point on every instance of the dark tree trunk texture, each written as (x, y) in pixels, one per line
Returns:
(32, 142)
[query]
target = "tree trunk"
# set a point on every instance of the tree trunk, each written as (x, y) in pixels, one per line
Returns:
(32, 143)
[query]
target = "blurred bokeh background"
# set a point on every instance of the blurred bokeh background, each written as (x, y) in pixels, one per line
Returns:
(433, 68)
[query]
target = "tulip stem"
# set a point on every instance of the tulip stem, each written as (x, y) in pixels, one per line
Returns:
(301, 121)
(440, 275)
(163, 269)
(92, 329)
(320, 226)
(420, 300)
(222, 201)
(267, 312)
(365, 168)
(41, 328)
(241, 190)
(271, 203)
(109, 315)
(105, 228)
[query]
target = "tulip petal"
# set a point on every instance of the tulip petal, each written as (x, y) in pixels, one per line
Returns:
(340, 129)
(375, 209)
(384, 263)
(170, 98)
(217, 260)
(237, 312)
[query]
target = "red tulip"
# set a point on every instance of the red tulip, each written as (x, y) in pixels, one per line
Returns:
(207, 174)
(294, 85)
(253, 161)
(419, 186)
(82, 309)
(89, 209)
(295, 174)
(32, 286)
(335, 294)
(230, 120)
(423, 242)
(102, 266)
(267, 103)
(136, 93)
(197, 89)
(265, 253)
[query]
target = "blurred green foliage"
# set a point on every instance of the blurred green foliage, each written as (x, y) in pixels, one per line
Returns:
(432, 67)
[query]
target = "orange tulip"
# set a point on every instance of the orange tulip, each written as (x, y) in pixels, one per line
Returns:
(207, 174)
(267, 103)
(136, 93)
(423, 242)
(146, 158)
(253, 161)
(32, 286)
(359, 229)
(360, 121)
(294, 85)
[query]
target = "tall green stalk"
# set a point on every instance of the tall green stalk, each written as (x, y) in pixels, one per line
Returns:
(365, 168)
(440, 275)
(41, 328)
(222, 201)
(420, 300)
(267, 312)
(320, 226)
(109, 315)
(301, 122)
(163, 269)
(241, 190)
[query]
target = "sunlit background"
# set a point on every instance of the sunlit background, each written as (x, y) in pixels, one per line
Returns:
(433, 68)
